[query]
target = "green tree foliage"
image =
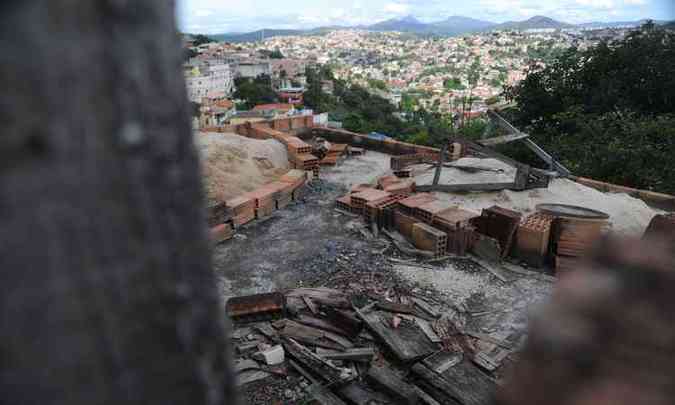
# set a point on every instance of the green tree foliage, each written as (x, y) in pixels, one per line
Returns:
(453, 84)
(202, 39)
(607, 112)
(255, 92)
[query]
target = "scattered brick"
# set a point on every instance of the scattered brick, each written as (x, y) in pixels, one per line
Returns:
(221, 233)
(428, 211)
(410, 204)
(426, 237)
(359, 200)
(265, 210)
(501, 224)
(404, 223)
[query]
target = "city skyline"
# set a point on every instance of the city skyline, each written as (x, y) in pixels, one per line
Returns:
(217, 16)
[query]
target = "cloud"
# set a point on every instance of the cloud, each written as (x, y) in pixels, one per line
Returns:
(204, 13)
(635, 2)
(397, 8)
(600, 4)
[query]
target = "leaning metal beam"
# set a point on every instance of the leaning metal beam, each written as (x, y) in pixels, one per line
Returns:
(553, 164)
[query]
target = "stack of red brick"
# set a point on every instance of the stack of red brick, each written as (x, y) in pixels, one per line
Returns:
(335, 152)
(225, 217)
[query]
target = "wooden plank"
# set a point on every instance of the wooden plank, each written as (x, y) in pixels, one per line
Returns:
(407, 342)
(428, 330)
(362, 354)
(424, 306)
(310, 304)
(487, 338)
(345, 321)
(463, 384)
(320, 324)
(314, 363)
(314, 337)
(322, 296)
(385, 379)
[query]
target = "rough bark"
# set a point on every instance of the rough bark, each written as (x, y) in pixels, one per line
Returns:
(106, 290)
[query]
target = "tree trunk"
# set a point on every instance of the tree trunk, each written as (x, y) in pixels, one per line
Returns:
(106, 293)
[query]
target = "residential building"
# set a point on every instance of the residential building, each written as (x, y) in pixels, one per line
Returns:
(205, 77)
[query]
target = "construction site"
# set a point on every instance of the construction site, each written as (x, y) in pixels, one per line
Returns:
(363, 271)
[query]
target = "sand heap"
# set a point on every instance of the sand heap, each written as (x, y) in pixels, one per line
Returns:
(233, 165)
(629, 216)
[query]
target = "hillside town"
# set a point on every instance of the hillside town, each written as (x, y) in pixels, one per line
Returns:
(437, 74)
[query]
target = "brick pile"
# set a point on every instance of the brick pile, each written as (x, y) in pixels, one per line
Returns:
(426, 237)
(501, 224)
(456, 223)
(221, 233)
(410, 204)
(533, 238)
(371, 196)
(575, 237)
(243, 209)
(380, 212)
(428, 211)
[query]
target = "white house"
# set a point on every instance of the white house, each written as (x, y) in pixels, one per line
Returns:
(204, 77)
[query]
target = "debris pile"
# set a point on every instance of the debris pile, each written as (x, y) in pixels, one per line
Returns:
(336, 348)
(556, 235)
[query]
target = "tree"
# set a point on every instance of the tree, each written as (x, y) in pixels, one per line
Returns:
(107, 294)
(606, 112)
(200, 39)
(255, 91)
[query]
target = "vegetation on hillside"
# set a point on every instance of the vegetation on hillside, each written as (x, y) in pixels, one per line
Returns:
(362, 111)
(607, 112)
(254, 91)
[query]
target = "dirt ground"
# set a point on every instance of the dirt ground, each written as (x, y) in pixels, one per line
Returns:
(310, 244)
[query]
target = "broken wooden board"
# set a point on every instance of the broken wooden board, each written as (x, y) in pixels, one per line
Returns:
(315, 337)
(322, 296)
(499, 140)
(345, 321)
(385, 379)
(363, 354)
(407, 343)
(428, 330)
(248, 371)
(462, 383)
(319, 324)
(424, 306)
(316, 364)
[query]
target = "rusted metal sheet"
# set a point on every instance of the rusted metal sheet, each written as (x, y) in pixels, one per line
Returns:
(255, 308)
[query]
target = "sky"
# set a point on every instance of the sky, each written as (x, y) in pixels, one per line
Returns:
(222, 16)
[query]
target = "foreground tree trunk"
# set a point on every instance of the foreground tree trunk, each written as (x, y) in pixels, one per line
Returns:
(106, 291)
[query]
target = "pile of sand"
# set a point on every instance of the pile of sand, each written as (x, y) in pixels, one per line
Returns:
(628, 216)
(233, 165)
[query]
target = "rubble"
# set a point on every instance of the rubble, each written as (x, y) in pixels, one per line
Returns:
(407, 353)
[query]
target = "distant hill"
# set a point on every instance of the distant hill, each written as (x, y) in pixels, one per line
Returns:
(452, 26)
(536, 22)
(617, 24)
(405, 24)
(256, 35)
(458, 25)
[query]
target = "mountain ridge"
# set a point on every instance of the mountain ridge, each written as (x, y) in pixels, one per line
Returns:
(451, 26)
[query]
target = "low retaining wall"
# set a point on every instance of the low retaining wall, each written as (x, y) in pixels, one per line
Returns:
(390, 147)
